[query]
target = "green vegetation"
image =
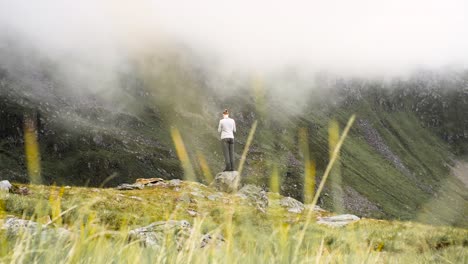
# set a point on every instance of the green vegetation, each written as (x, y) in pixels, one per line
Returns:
(100, 219)
(395, 163)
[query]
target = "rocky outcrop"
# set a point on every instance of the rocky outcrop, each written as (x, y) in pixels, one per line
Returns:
(126, 186)
(337, 220)
(142, 183)
(146, 181)
(292, 205)
(227, 181)
(255, 196)
(16, 226)
(155, 234)
(158, 234)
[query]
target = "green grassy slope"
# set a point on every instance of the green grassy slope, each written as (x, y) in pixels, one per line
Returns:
(100, 219)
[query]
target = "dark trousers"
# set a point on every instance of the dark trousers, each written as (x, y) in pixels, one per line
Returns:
(228, 151)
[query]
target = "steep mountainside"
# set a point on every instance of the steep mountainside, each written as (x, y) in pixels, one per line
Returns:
(395, 163)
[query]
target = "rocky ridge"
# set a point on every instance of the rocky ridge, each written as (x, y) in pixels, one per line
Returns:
(156, 233)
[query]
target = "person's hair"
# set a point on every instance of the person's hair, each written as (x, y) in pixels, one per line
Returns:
(225, 112)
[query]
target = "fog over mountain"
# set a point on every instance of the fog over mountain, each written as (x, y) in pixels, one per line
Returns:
(108, 82)
(359, 38)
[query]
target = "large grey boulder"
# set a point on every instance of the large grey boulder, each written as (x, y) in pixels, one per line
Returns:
(292, 205)
(338, 220)
(227, 181)
(5, 186)
(255, 196)
(154, 235)
(16, 226)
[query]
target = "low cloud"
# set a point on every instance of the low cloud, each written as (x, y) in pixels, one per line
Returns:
(359, 37)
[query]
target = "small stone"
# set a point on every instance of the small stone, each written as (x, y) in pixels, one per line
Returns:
(5, 186)
(338, 220)
(175, 183)
(136, 198)
(119, 197)
(197, 194)
(214, 197)
(192, 213)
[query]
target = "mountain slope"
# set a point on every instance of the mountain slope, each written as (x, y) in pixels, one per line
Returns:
(394, 164)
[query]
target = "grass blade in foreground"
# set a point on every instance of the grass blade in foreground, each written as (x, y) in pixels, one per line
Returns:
(322, 183)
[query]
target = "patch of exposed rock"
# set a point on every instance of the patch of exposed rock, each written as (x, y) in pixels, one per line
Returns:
(337, 220)
(126, 186)
(374, 139)
(227, 181)
(147, 181)
(142, 183)
(292, 205)
(16, 226)
(154, 234)
(157, 234)
(255, 196)
(357, 203)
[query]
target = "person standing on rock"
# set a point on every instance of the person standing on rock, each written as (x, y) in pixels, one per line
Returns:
(227, 128)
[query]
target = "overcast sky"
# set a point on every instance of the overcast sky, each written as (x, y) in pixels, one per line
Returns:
(355, 36)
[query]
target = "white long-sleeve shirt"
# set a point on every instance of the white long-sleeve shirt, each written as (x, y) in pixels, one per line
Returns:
(227, 127)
